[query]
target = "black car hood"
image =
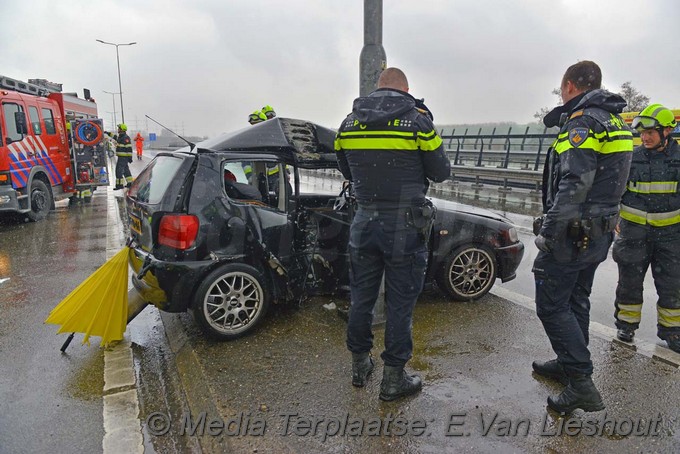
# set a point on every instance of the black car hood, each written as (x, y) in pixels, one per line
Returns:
(447, 205)
(307, 144)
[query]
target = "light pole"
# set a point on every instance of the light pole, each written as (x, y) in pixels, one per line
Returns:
(120, 87)
(113, 98)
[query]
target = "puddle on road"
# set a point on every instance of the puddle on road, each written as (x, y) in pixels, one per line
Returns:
(87, 381)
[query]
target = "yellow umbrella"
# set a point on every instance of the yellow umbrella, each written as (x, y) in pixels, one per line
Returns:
(99, 305)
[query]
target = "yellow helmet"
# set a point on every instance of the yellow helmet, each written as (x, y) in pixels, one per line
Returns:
(654, 116)
(256, 117)
(268, 111)
(122, 127)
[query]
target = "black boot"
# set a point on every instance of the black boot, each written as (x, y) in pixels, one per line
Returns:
(362, 366)
(673, 341)
(397, 383)
(117, 187)
(625, 334)
(580, 393)
(551, 369)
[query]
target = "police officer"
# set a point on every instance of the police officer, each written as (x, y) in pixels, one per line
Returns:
(388, 149)
(650, 228)
(583, 181)
(124, 155)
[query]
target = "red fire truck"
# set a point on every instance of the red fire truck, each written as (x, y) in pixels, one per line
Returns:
(51, 147)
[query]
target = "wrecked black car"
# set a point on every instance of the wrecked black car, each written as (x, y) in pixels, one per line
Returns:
(230, 226)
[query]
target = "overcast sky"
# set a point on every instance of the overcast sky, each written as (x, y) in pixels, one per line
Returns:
(201, 66)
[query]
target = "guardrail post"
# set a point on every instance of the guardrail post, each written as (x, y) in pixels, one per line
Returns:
(481, 149)
(507, 149)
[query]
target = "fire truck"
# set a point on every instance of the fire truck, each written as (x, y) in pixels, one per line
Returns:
(51, 147)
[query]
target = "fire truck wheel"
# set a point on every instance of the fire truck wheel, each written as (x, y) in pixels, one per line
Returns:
(41, 201)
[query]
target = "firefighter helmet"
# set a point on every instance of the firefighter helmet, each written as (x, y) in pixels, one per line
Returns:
(268, 111)
(256, 117)
(654, 116)
(122, 127)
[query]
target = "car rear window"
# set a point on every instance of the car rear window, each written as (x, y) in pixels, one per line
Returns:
(151, 184)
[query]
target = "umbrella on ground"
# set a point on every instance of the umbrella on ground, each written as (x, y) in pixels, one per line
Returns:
(98, 306)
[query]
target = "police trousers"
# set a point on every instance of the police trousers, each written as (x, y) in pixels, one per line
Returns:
(563, 303)
(385, 241)
(634, 251)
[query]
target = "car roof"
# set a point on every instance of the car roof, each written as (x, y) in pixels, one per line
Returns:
(305, 143)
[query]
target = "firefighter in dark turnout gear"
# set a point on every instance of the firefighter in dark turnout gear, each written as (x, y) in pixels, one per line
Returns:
(583, 180)
(388, 149)
(124, 157)
(649, 230)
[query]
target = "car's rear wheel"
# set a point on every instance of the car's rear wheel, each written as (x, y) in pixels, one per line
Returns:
(468, 273)
(231, 301)
(41, 201)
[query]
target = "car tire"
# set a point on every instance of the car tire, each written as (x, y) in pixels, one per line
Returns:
(231, 301)
(41, 201)
(468, 273)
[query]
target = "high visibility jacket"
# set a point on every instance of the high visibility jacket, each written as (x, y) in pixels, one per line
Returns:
(388, 149)
(587, 166)
(652, 195)
(124, 145)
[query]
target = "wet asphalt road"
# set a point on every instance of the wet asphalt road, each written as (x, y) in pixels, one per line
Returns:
(474, 358)
(286, 388)
(49, 402)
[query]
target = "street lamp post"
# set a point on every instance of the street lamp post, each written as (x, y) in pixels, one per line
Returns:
(113, 98)
(120, 86)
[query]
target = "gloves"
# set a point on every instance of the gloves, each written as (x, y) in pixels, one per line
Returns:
(544, 244)
(129, 159)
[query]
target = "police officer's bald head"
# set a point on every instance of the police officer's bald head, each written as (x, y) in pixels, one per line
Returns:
(393, 78)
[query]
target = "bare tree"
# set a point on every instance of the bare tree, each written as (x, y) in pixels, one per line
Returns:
(544, 110)
(635, 100)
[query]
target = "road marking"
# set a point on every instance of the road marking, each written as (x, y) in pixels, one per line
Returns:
(122, 430)
(646, 348)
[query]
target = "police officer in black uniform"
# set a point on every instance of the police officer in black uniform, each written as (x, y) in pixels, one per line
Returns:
(389, 149)
(649, 230)
(583, 180)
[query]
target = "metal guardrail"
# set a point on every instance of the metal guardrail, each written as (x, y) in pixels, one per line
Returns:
(505, 160)
(521, 150)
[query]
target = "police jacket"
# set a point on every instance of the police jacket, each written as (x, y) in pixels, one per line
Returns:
(587, 166)
(652, 198)
(389, 149)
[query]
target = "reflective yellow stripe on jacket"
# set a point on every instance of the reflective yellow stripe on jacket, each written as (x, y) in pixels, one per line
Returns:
(615, 142)
(653, 187)
(387, 140)
(653, 219)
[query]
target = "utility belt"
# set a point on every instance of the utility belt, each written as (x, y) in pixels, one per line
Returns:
(581, 231)
(421, 217)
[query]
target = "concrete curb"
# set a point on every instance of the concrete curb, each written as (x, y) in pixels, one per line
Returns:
(122, 430)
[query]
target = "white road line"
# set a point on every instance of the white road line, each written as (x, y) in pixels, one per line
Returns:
(646, 348)
(122, 430)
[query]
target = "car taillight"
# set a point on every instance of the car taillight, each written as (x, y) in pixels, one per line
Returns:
(178, 231)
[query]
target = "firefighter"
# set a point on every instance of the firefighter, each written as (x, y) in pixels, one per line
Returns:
(268, 112)
(389, 150)
(139, 143)
(124, 155)
(256, 117)
(583, 180)
(649, 230)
